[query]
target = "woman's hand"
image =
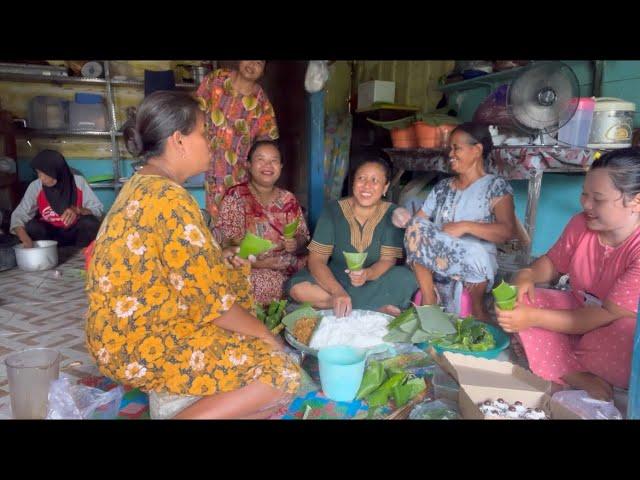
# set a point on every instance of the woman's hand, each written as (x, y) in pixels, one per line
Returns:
(526, 285)
(513, 321)
(230, 256)
(69, 216)
(455, 229)
(274, 341)
(290, 245)
(358, 278)
(273, 263)
(400, 217)
(341, 304)
(27, 241)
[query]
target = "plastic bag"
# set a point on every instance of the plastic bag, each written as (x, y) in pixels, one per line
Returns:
(316, 76)
(67, 401)
(493, 110)
(579, 402)
(435, 410)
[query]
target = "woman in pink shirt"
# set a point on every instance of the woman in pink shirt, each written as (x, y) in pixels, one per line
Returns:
(584, 338)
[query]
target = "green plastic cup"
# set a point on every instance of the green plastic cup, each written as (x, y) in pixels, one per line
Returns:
(290, 229)
(504, 292)
(355, 261)
(507, 304)
(253, 245)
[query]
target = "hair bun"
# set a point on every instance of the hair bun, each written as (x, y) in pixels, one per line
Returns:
(133, 141)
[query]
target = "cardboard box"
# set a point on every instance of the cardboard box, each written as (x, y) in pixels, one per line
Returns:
(375, 91)
(481, 379)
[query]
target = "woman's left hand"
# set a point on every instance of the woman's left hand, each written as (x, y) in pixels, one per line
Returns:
(69, 216)
(230, 256)
(290, 245)
(455, 229)
(358, 278)
(513, 321)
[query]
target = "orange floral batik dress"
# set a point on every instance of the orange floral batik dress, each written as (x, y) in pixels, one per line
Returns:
(234, 121)
(156, 284)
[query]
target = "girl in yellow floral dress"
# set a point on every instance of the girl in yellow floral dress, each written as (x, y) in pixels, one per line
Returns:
(169, 311)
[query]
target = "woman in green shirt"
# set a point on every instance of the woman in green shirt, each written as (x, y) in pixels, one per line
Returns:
(360, 223)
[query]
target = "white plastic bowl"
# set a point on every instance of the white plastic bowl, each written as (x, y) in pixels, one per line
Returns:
(42, 256)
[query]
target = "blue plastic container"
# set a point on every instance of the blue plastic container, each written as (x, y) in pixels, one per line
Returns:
(341, 371)
(88, 98)
(501, 339)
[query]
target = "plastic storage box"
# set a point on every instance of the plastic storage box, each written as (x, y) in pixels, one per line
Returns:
(576, 131)
(375, 91)
(88, 117)
(48, 113)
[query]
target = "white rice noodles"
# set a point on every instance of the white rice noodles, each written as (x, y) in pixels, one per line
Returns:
(361, 329)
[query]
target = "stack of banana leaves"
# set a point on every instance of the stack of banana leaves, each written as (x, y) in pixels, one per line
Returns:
(271, 314)
(431, 324)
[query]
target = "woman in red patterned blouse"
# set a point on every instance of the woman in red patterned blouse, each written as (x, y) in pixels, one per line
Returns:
(259, 207)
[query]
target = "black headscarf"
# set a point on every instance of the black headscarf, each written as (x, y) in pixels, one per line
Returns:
(63, 194)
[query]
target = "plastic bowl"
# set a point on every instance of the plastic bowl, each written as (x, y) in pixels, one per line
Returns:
(42, 256)
(500, 337)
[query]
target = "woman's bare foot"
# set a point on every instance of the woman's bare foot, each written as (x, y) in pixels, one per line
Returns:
(595, 386)
(390, 310)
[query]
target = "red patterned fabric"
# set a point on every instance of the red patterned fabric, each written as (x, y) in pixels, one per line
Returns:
(241, 212)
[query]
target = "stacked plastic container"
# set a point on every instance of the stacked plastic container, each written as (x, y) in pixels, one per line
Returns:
(88, 112)
(575, 132)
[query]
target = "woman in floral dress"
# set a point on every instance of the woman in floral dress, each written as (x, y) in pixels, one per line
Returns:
(238, 112)
(451, 242)
(169, 311)
(261, 208)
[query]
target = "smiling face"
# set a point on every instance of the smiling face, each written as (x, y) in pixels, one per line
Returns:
(604, 205)
(465, 154)
(370, 184)
(251, 69)
(265, 165)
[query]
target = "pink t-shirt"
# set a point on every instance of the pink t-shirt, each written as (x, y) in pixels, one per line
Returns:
(608, 273)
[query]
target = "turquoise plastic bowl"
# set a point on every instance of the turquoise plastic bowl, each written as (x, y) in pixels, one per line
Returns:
(501, 338)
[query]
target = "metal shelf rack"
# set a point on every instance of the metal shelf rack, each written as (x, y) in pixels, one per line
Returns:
(113, 134)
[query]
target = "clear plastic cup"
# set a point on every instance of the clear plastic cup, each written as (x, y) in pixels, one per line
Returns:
(30, 374)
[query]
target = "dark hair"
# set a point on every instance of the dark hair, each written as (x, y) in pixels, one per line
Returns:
(624, 170)
(160, 115)
(260, 143)
(378, 161)
(479, 133)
